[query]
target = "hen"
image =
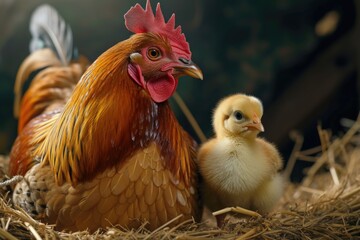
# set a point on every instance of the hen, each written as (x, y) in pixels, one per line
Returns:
(239, 169)
(99, 145)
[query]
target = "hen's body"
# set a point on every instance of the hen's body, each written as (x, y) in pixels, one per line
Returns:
(101, 152)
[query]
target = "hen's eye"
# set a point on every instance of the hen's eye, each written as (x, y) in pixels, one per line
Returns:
(238, 115)
(154, 53)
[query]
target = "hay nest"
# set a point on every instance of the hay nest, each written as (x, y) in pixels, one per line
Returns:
(326, 205)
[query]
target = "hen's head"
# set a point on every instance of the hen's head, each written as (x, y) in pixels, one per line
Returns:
(162, 54)
(238, 115)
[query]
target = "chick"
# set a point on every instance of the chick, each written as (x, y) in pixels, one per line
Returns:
(239, 168)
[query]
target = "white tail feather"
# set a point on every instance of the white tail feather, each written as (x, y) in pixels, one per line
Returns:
(49, 30)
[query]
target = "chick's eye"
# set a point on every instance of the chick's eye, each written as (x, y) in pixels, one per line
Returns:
(238, 115)
(153, 53)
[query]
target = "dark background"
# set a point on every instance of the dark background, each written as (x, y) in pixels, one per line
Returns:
(299, 57)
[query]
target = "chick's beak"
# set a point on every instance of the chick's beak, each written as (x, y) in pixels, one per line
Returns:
(256, 123)
(187, 67)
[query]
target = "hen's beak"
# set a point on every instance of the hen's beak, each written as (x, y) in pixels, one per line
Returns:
(256, 123)
(188, 68)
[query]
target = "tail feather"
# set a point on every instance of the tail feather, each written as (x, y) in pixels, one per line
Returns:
(52, 56)
(37, 60)
(49, 30)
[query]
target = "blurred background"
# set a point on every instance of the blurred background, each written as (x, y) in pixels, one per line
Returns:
(301, 58)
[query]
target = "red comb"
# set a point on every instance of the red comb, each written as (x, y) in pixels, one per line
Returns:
(138, 20)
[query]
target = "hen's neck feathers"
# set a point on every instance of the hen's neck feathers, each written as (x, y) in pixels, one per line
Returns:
(107, 119)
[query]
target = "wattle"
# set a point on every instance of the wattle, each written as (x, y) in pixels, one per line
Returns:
(161, 89)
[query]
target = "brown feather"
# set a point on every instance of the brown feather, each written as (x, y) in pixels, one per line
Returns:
(106, 204)
(151, 193)
(157, 178)
(105, 187)
(118, 185)
(139, 188)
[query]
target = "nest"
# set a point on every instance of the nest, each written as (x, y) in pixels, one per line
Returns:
(326, 205)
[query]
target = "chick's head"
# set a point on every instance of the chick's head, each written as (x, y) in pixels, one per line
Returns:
(238, 115)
